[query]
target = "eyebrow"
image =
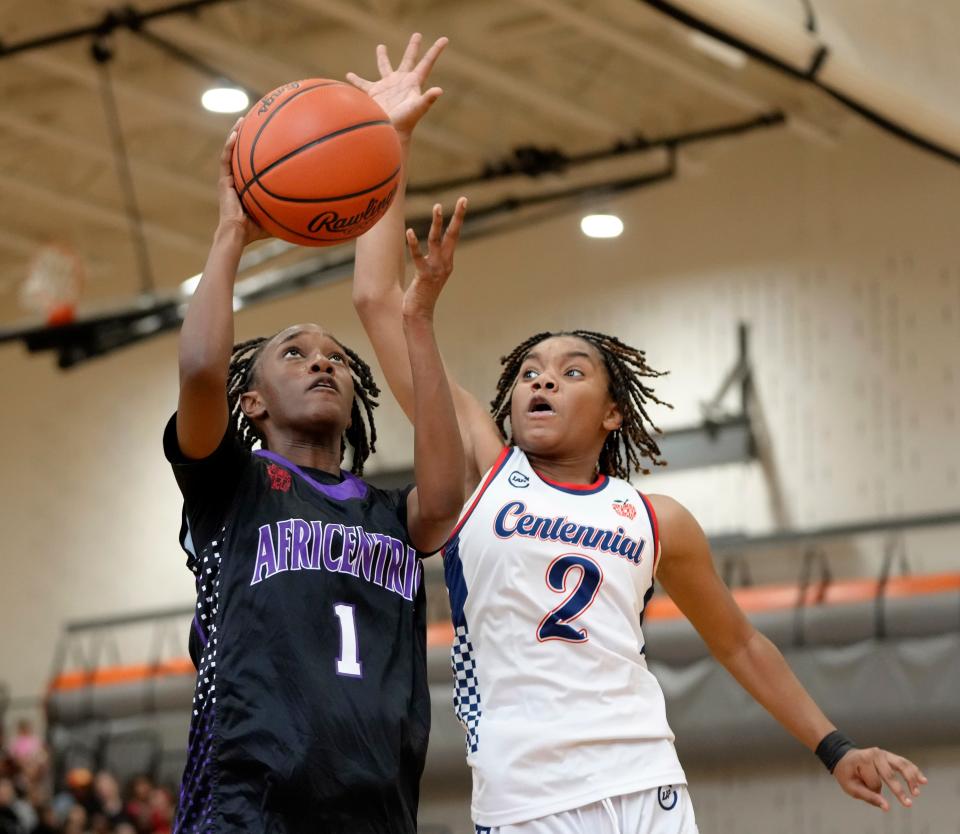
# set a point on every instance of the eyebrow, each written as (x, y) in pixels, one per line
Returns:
(295, 335)
(570, 354)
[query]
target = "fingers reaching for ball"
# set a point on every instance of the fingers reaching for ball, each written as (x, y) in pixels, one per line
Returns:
(433, 268)
(399, 91)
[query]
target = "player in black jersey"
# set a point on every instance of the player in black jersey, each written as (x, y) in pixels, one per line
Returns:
(311, 711)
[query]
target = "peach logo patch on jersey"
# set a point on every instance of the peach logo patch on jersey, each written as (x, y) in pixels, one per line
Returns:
(625, 508)
(279, 478)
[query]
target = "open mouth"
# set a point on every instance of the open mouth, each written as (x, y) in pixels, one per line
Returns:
(540, 405)
(324, 383)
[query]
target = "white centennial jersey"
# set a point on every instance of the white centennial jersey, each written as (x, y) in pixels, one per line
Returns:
(548, 584)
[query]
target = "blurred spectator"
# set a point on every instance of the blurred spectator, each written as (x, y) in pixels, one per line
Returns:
(16, 816)
(26, 746)
(47, 822)
(79, 792)
(109, 801)
(138, 806)
(76, 822)
(161, 811)
(87, 804)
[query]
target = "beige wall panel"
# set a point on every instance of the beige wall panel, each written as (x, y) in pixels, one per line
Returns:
(844, 263)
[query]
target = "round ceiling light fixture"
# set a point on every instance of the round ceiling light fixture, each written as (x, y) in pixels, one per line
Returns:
(601, 225)
(225, 100)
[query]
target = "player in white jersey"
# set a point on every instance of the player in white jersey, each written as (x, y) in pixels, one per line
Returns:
(549, 572)
(547, 583)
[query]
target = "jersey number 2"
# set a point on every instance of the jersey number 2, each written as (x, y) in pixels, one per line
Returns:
(348, 664)
(555, 625)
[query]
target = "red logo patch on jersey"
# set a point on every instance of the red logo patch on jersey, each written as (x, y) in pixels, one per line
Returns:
(625, 508)
(279, 478)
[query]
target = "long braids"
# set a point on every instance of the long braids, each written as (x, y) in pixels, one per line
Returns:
(240, 379)
(625, 448)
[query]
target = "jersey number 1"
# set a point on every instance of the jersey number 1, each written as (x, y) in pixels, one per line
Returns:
(348, 664)
(555, 625)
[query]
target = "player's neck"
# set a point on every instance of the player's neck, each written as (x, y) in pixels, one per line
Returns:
(311, 453)
(566, 470)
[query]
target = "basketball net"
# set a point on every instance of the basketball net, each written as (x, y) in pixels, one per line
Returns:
(53, 284)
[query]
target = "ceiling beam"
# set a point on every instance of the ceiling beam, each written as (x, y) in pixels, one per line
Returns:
(87, 210)
(196, 37)
(174, 109)
(482, 73)
(647, 53)
(667, 61)
(83, 147)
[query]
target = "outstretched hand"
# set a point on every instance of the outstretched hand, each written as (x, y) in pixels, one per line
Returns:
(862, 773)
(398, 91)
(231, 209)
(434, 268)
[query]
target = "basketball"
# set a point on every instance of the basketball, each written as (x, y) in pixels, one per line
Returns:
(316, 162)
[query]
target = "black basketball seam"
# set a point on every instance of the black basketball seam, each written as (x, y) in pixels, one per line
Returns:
(277, 197)
(294, 231)
(319, 141)
(243, 177)
(279, 107)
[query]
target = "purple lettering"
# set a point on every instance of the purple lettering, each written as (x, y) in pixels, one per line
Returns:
(397, 552)
(330, 562)
(409, 573)
(266, 556)
(366, 547)
(299, 546)
(350, 563)
(283, 544)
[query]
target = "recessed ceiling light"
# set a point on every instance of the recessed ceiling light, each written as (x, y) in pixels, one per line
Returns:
(601, 225)
(225, 100)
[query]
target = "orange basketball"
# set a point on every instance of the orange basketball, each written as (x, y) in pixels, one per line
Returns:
(317, 162)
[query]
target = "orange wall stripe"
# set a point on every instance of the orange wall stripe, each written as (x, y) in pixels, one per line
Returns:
(751, 600)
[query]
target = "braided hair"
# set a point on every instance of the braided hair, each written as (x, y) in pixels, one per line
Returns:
(240, 379)
(625, 447)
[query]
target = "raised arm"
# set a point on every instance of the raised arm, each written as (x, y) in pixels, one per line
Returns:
(380, 263)
(206, 338)
(687, 574)
(436, 500)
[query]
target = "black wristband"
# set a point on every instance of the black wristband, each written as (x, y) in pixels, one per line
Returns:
(832, 748)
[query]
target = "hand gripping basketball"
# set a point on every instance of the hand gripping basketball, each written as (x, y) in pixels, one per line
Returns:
(231, 212)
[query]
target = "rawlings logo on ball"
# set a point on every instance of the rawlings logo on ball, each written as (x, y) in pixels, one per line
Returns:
(270, 98)
(333, 222)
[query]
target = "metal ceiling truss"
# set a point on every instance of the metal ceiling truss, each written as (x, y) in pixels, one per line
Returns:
(100, 334)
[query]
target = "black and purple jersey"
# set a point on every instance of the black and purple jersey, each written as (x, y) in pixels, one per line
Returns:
(311, 710)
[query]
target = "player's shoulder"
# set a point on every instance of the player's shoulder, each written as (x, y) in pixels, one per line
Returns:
(670, 512)
(677, 525)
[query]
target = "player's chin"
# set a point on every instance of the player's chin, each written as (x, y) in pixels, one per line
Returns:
(327, 416)
(539, 437)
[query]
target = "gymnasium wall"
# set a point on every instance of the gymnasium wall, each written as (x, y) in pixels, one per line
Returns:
(843, 261)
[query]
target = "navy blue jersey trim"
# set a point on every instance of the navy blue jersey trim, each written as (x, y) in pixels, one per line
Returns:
(646, 599)
(495, 470)
(575, 489)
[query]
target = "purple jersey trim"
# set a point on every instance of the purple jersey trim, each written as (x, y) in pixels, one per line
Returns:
(200, 634)
(350, 487)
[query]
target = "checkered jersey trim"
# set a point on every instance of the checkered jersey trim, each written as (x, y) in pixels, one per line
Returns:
(466, 687)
